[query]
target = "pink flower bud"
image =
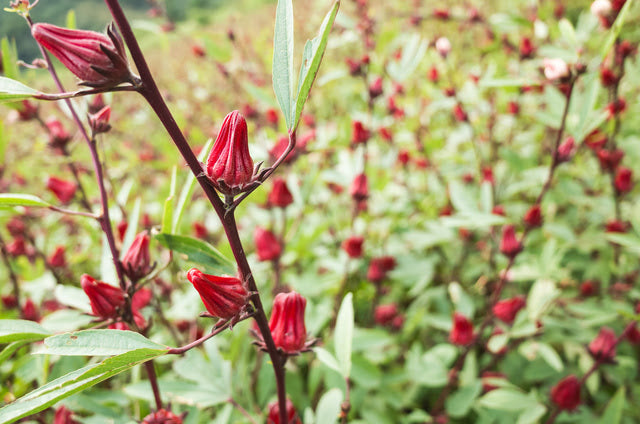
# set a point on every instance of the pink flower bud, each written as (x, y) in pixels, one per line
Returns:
(162, 416)
(375, 88)
(513, 108)
(433, 74)
(566, 394)
(274, 414)
(229, 165)
(510, 246)
(30, 311)
(603, 347)
(506, 310)
(224, 297)
(555, 69)
(272, 116)
(442, 14)
(359, 134)
(106, 300)
(57, 258)
(443, 46)
(27, 111)
(63, 416)
(623, 180)
(62, 189)
(280, 196)
(462, 331)
(287, 322)
(533, 217)
(353, 246)
(459, 113)
(136, 262)
(58, 136)
(385, 314)
(99, 60)
(99, 122)
(268, 247)
(565, 150)
(17, 247)
(360, 187)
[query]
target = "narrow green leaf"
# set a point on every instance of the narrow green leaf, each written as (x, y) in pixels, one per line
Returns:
(97, 343)
(167, 213)
(132, 228)
(10, 349)
(329, 407)
(74, 382)
(460, 402)
(4, 140)
(71, 19)
(13, 330)
(567, 32)
(311, 59)
(199, 252)
(9, 58)
(18, 199)
(614, 32)
(282, 74)
(187, 189)
(327, 358)
(12, 90)
(507, 400)
(343, 337)
(613, 413)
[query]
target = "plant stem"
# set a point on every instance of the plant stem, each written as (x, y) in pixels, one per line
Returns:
(243, 411)
(153, 379)
(12, 275)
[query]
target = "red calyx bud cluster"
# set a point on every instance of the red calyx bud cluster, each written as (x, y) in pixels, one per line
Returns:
(360, 188)
(375, 88)
(57, 258)
(506, 310)
(623, 180)
(353, 246)
(63, 416)
(280, 196)
(229, 165)
(610, 159)
(287, 322)
(462, 331)
(566, 394)
(106, 300)
(565, 150)
(224, 297)
(388, 315)
(603, 347)
(58, 136)
(527, 49)
(379, 268)
(268, 247)
(99, 60)
(99, 122)
(136, 262)
(27, 111)
(274, 414)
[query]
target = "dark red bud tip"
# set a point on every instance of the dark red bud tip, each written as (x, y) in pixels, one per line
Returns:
(62, 189)
(566, 394)
(229, 165)
(280, 196)
(287, 322)
(506, 310)
(99, 60)
(223, 296)
(510, 246)
(603, 347)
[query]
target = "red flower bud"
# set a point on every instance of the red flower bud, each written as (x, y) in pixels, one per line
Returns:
(27, 111)
(513, 108)
(57, 259)
(99, 122)
(268, 247)
(623, 180)
(105, 299)
(229, 165)
(566, 394)
(379, 267)
(200, 230)
(506, 310)
(565, 150)
(136, 262)
(353, 246)
(224, 297)
(588, 288)
(510, 246)
(527, 48)
(607, 77)
(610, 159)
(360, 187)
(287, 322)
(459, 113)
(99, 60)
(603, 347)
(162, 416)
(487, 175)
(433, 74)
(615, 226)
(17, 247)
(359, 134)
(30, 311)
(16, 226)
(633, 334)
(462, 331)
(404, 157)
(122, 229)
(274, 414)
(375, 88)
(596, 140)
(498, 210)
(272, 116)
(280, 196)
(63, 416)
(386, 134)
(616, 107)
(62, 189)
(533, 217)
(441, 14)
(385, 314)
(58, 136)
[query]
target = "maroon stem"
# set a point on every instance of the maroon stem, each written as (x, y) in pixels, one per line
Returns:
(151, 373)
(150, 92)
(105, 221)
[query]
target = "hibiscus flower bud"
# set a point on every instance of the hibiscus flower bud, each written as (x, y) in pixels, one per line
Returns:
(136, 262)
(433, 74)
(506, 310)
(510, 246)
(385, 314)
(59, 137)
(272, 116)
(565, 150)
(459, 113)
(62, 189)
(99, 60)
(610, 159)
(30, 311)
(623, 180)
(375, 88)
(274, 414)
(287, 322)
(229, 165)
(105, 299)
(555, 69)
(359, 134)
(280, 196)
(63, 416)
(533, 217)
(603, 347)
(57, 258)
(566, 394)
(224, 297)
(268, 247)
(462, 331)
(27, 110)
(353, 246)
(162, 416)
(596, 140)
(527, 49)
(99, 122)
(360, 187)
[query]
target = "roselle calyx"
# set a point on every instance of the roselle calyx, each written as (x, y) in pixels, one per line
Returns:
(287, 322)
(229, 165)
(136, 262)
(98, 60)
(566, 394)
(106, 300)
(223, 296)
(268, 247)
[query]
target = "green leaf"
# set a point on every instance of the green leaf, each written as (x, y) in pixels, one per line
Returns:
(132, 228)
(13, 330)
(327, 358)
(329, 407)
(507, 400)
(187, 190)
(460, 402)
(413, 50)
(97, 343)
(199, 252)
(614, 32)
(567, 32)
(167, 213)
(9, 58)
(532, 414)
(311, 59)
(10, 349)
(283, 59)
(18, 199)
(462, 198)
(613, 413)
(12, 90)
(541, 296)
(74, 382)
(343, 337)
